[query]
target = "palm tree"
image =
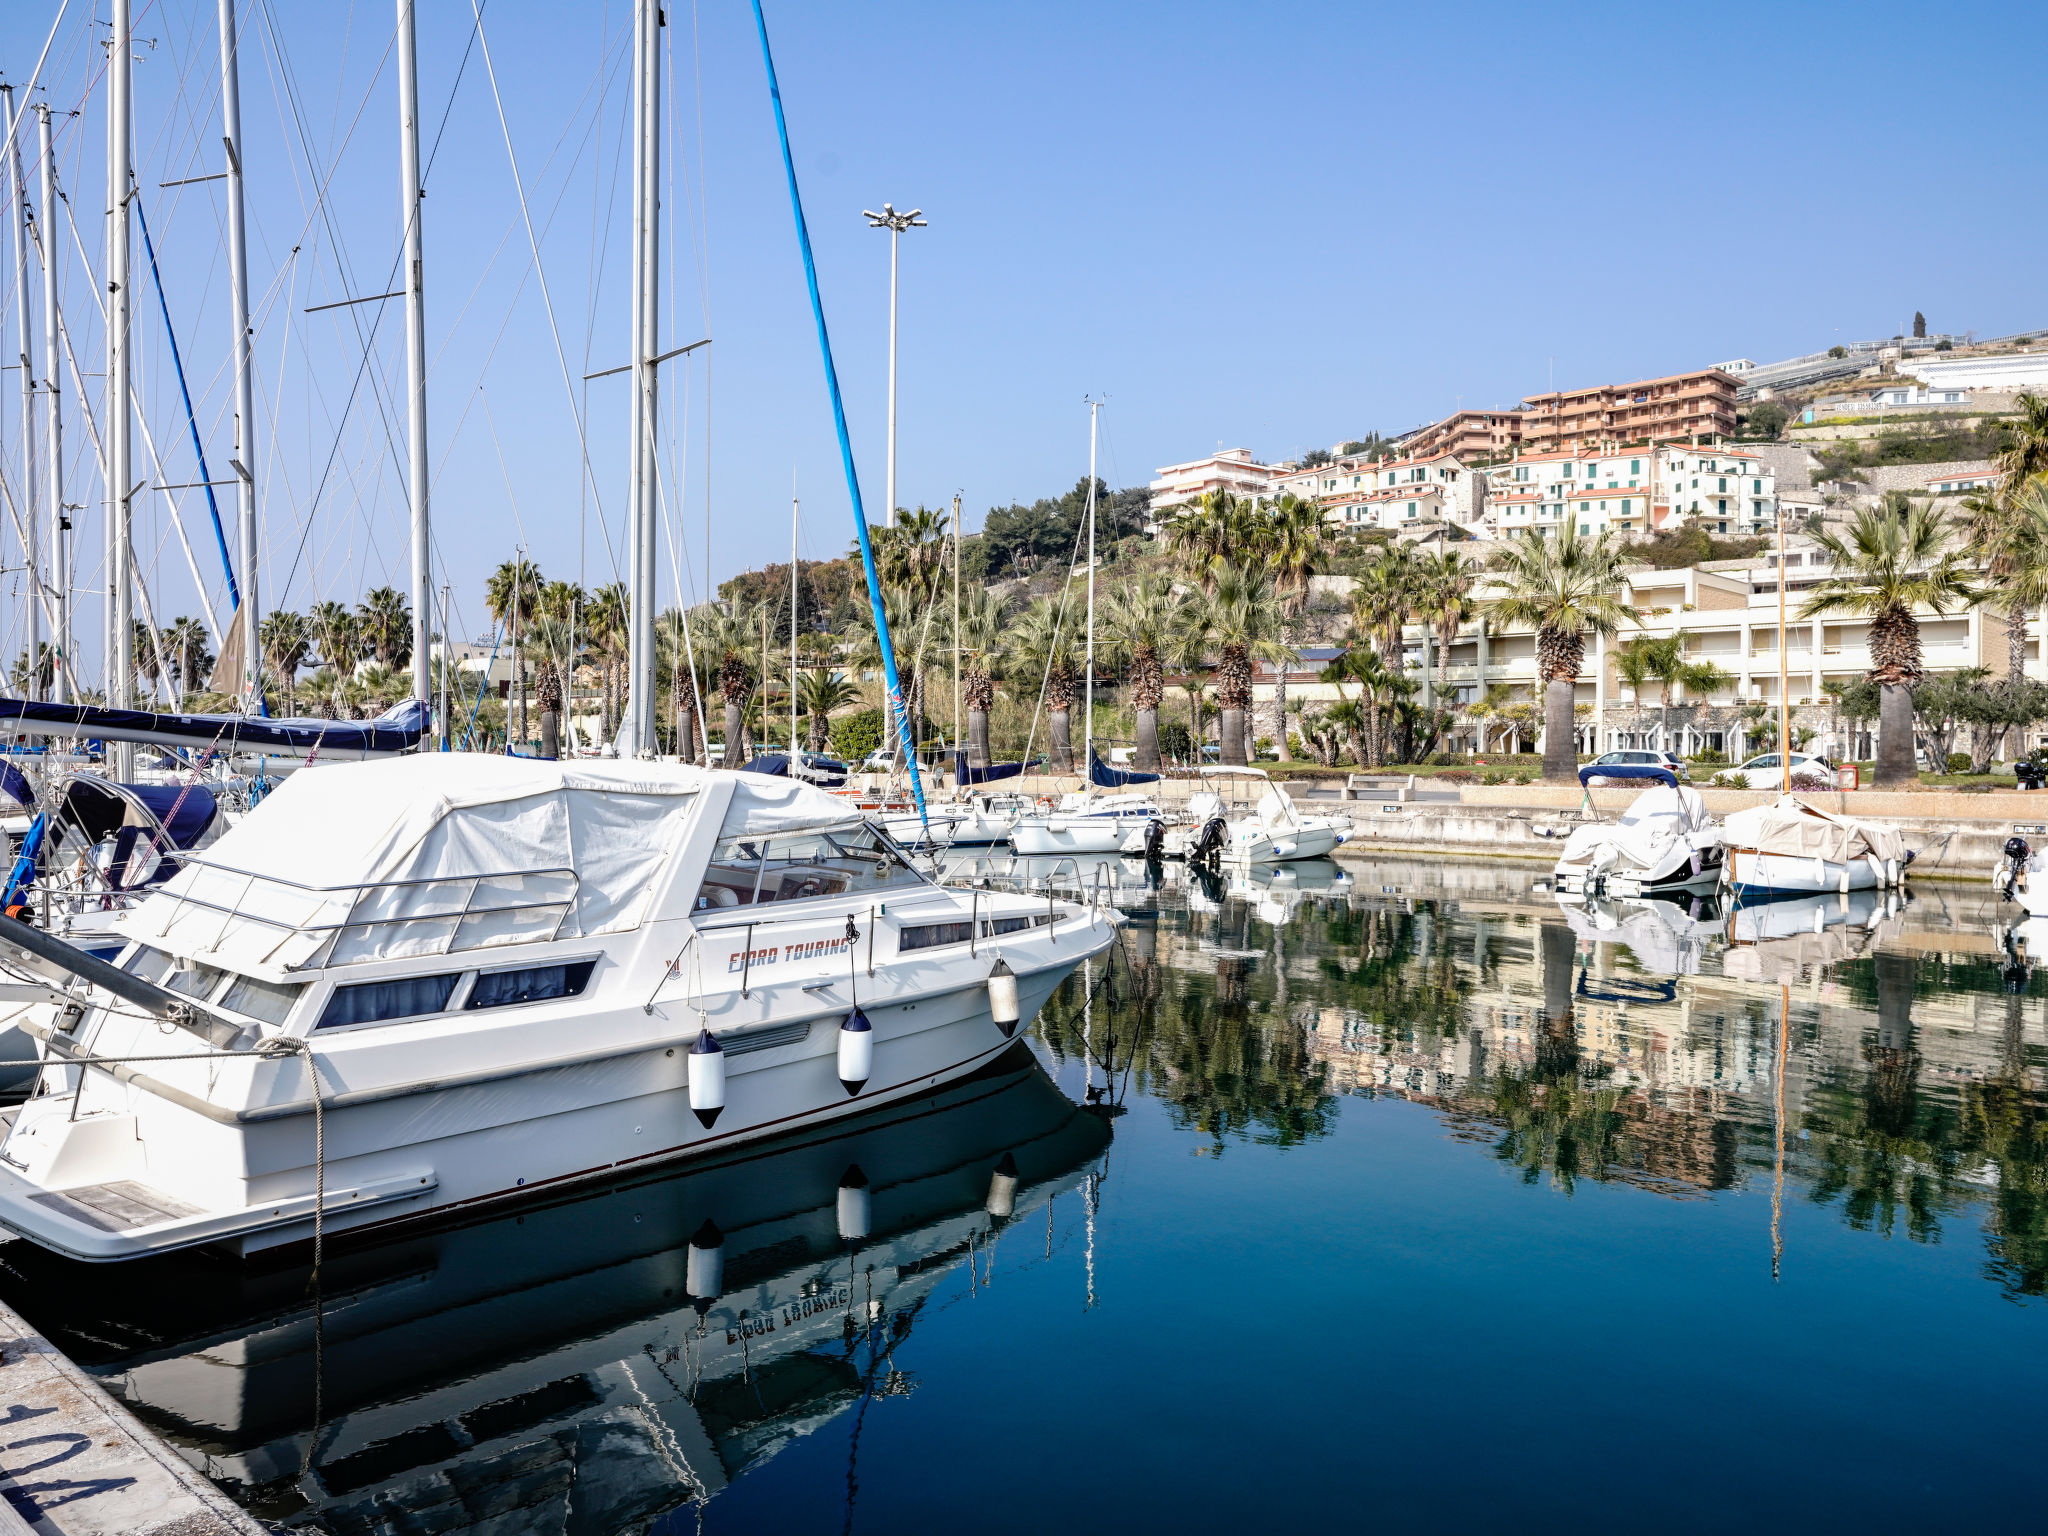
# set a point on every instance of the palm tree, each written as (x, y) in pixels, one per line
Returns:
(675, 645)
(1444, 582)
(1886, 567)
(1383, 599)
(384, 620)
(32, 678)
(1346, 715)
(1564, 587)
(605, 619)
(1363, 665)
(2010, 535)
(727, 640)
(820, 693)
(1215, 533)
(512, 595)
(2025, 458)
(1042, 651)
(983, 615)
(337, 638)
(189, 649)
(1243, 624)
(1186, 651)
(287, 638)
(1296, 538)
(1141, 617)
(553, 638)
(1661, 660)
(912, 552)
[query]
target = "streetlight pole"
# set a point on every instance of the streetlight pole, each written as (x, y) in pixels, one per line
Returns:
(895, 223)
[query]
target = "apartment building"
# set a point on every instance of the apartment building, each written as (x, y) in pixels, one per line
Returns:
(1392, 493)
(1630, 491)
(1681, 405)
(1228, 469)
(1469, 435)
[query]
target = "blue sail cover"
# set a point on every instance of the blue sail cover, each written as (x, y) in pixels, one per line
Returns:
(15, 786)
(396, 730)
(962, 774)
(1106, 777)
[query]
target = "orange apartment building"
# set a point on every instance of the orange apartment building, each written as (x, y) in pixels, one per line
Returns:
(1468, 435)
(1681, 405)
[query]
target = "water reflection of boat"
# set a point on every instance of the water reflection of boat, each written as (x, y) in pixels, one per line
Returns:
(1277, 890)
(1666, 937)
(1776, 940)
(587, 1365)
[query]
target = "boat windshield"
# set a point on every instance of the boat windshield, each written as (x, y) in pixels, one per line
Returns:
(753, 868)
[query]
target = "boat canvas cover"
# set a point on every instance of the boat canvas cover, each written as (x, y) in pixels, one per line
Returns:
(1646, 831)
(1794, 829)
(398, 729)
(431, 854)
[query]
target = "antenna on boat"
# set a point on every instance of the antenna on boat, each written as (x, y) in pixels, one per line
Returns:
(415, 346)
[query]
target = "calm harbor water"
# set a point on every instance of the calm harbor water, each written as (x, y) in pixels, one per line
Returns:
(1392, 1193)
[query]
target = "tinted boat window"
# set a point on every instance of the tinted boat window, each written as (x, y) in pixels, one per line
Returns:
(266, 1000)
(497, 989)
(749, 870)
(149, 964)
(926, 935)
(371, 1002)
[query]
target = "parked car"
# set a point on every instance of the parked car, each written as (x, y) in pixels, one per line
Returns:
(1767, 772)
(1627, 766)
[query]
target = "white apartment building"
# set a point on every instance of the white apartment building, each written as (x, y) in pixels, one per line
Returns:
(1228, 469)
(1631, 491)
(1391, 493)
(2025, 369)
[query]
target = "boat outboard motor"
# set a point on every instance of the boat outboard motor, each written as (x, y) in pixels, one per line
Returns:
(1155, 841)
(2017, 852)
(1209, 842)
(2032, 775)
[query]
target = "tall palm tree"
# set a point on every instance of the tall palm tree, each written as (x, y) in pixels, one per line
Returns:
(2025, 457)
(1216, 532)
(1141, 617)
(1383, 599)
(912, 552)
(1186, 651)
(1886, 567)
(819, 694)
(1346, 715)
(1564, 587)
(983, 619)
(605, 619)
(512, 595)
(1296, 540)
(2010, 535)
(1444, 582)
(675, 643)
(1042, 653)
(728, 642)
(339, 640)
(287, 639)
(384, 620)
(1243, 625)
(553, 641)
(189, 650)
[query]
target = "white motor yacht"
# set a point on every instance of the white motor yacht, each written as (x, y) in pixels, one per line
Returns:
(499, 976)
(1790, 848)
(1664, 842)
(1270, 830)
(1089, 823)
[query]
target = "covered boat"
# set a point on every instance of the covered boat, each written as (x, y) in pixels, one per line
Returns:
(397, 730)
(1790, 848)
(1664, 841)
(499, 975)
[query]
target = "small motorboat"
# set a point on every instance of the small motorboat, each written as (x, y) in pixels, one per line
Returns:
(1790, 848)
(1086, 822)
(1665, 841)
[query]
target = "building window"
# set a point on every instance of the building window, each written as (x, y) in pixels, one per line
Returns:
(1635, 466)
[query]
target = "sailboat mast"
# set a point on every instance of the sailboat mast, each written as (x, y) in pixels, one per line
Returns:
(18, 216)
(956, 622)
(244, 461)
(639, 735)
(795, 510)
(1088, 713)
(415, 348)
(1784, 672)
(53, 424)
(120, 651)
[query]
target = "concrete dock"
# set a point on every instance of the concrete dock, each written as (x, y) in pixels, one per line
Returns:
(73, 1462)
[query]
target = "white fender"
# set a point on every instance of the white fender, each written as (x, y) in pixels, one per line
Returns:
(856, 1052)
(707, 1079)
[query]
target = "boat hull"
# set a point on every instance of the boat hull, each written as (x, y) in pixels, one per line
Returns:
(444, 1152)
(1758, 875)
(1069, 834)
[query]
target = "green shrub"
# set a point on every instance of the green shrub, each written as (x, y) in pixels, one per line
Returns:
(1726, 781)
(1457, 776)
(1525, 778)
(1493, 776)
(1709, 757)
(1176, 742)
(1447, 760)
(1959, 762)
(856, 735)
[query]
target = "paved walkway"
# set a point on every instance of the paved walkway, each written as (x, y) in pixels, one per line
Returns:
(73, 1462)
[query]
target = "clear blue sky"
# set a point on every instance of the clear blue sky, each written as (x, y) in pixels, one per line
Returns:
(1272, 226)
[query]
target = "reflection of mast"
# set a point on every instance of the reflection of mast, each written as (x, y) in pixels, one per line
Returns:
(1778, 1129)
(1090, 1201)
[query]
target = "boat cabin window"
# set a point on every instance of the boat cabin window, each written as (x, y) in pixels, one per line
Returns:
(194, 981)
(270, 1001)
(149, 964)
(794, 866)
(534, 984)
(929, 935)
(402, 997)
